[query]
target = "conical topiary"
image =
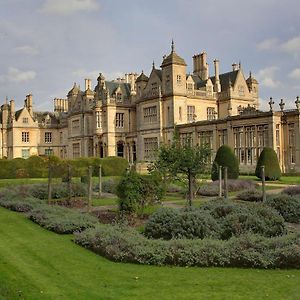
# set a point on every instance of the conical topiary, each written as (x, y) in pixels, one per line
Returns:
(225, 157)
(269, 159)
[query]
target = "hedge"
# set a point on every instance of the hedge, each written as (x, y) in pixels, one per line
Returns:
(125, 244)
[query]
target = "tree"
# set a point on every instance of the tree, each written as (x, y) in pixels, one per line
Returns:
(269, 159)
(225, 157)
(183, 158)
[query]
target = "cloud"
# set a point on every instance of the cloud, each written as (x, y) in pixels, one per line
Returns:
(268, 44)
(292, 46)
(68, 7)
(266, 77)
(295, 74)
(27, 50)
(15, 75)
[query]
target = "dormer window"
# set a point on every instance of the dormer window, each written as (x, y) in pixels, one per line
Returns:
(25, 120)
(190, 87)
(119, 97)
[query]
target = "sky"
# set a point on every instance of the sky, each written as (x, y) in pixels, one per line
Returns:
(47, 45)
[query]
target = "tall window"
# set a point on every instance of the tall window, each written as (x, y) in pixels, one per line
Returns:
(206, 138)
(76, 150)
(150, 114)
(150, 148)
(98, 119)
(292, 144)
(211, 113)
(48, 137)
(48, 152)
(180, 113)
(191, 113)
(262, 137)
(119, 97)
(186, 138)
(119, 120)
(25, 137)
(278, 141)
(75, 126)
(239, 144)
(178, 78)
(222, 137)
(250, 145)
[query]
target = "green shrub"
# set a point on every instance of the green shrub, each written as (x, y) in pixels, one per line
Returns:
(240, 218)
(36, 167)
(252, 195)
(288, 206)
(292, 190)
(109, 185)
(225, 157)
(114, 166)
(269, 159)
(60, 219)
(20, 204)
(137, 191)
(127, 245)
(167, 223)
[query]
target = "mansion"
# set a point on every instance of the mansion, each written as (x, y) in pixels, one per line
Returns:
(130, 117)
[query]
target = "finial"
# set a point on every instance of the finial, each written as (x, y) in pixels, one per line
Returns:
(74, 84)
(153, 65)
(172, 46)
(6, 100)
(142, 71)
(240, 65)
(271, 103)
(250, 74)
(281, 104)
(297, 103)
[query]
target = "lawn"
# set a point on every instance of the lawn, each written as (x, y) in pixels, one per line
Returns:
(38, 264)
(283, 179)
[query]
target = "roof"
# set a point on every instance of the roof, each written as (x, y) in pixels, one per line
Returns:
(17, 113)
(112, 87)
(173, 58)
(225, 78)
(251, 79)
(142, 77)
(75, 90)
(41, 116)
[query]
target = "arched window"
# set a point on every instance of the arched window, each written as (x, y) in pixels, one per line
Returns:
(120, 149)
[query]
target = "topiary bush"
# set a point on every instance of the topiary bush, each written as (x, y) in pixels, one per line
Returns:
(252, 195)
(127, 245)
(269, 159)
(288, 206)
(225, 157)
(60, 219)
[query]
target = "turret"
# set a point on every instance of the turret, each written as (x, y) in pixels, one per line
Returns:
(141, 83)
(217, 76)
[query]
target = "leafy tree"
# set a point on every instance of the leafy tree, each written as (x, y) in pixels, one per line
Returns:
(183, 158)
(225, 157)
(269, 159)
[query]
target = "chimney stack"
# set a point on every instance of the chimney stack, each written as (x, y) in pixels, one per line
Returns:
(12, 108)
(217, 78)
(88, 84)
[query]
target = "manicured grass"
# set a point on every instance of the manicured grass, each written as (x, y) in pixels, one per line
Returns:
(104, 201)
(283, 179)
(38, 264)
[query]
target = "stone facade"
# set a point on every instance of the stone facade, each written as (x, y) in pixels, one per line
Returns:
(132, 116)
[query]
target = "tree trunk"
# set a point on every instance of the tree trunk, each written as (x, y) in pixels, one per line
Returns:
(191, 194)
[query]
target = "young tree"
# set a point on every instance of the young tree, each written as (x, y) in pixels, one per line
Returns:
(183, 158)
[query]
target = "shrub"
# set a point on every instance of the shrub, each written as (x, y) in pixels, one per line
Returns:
(168, 223)
(137, 191)
(20, 204)
(36, 167)
(252, 195)
(109, 185)
(288, 206)
(60, 219)
(269, 159)
(292, 190)
(240, 218)
(174, 188)
(225, 157)
(127, 245)
(114, 166)
(234, 185)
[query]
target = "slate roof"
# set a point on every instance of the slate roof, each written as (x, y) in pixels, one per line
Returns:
(112, 86)
(225, 78)
(142, 77)
(173, 58)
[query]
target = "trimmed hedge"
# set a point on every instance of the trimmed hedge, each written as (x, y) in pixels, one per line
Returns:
(20, 204)
(225, 157)
(36, 166)
(288, 206)
(269, 159)
(127, 245)
(216, 218)
(251, 195)
(60, 219)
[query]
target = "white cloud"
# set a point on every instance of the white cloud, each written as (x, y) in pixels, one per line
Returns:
(268, 44)
(16, 75)
(292, 46)
(266, 77)
(295, 74)
(27, 50)
(67, 7)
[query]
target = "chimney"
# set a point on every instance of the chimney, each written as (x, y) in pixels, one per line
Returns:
(88, 84)
(29, 103)
(203, 66)
(12, 108)
(217, 78)
(235, 67)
